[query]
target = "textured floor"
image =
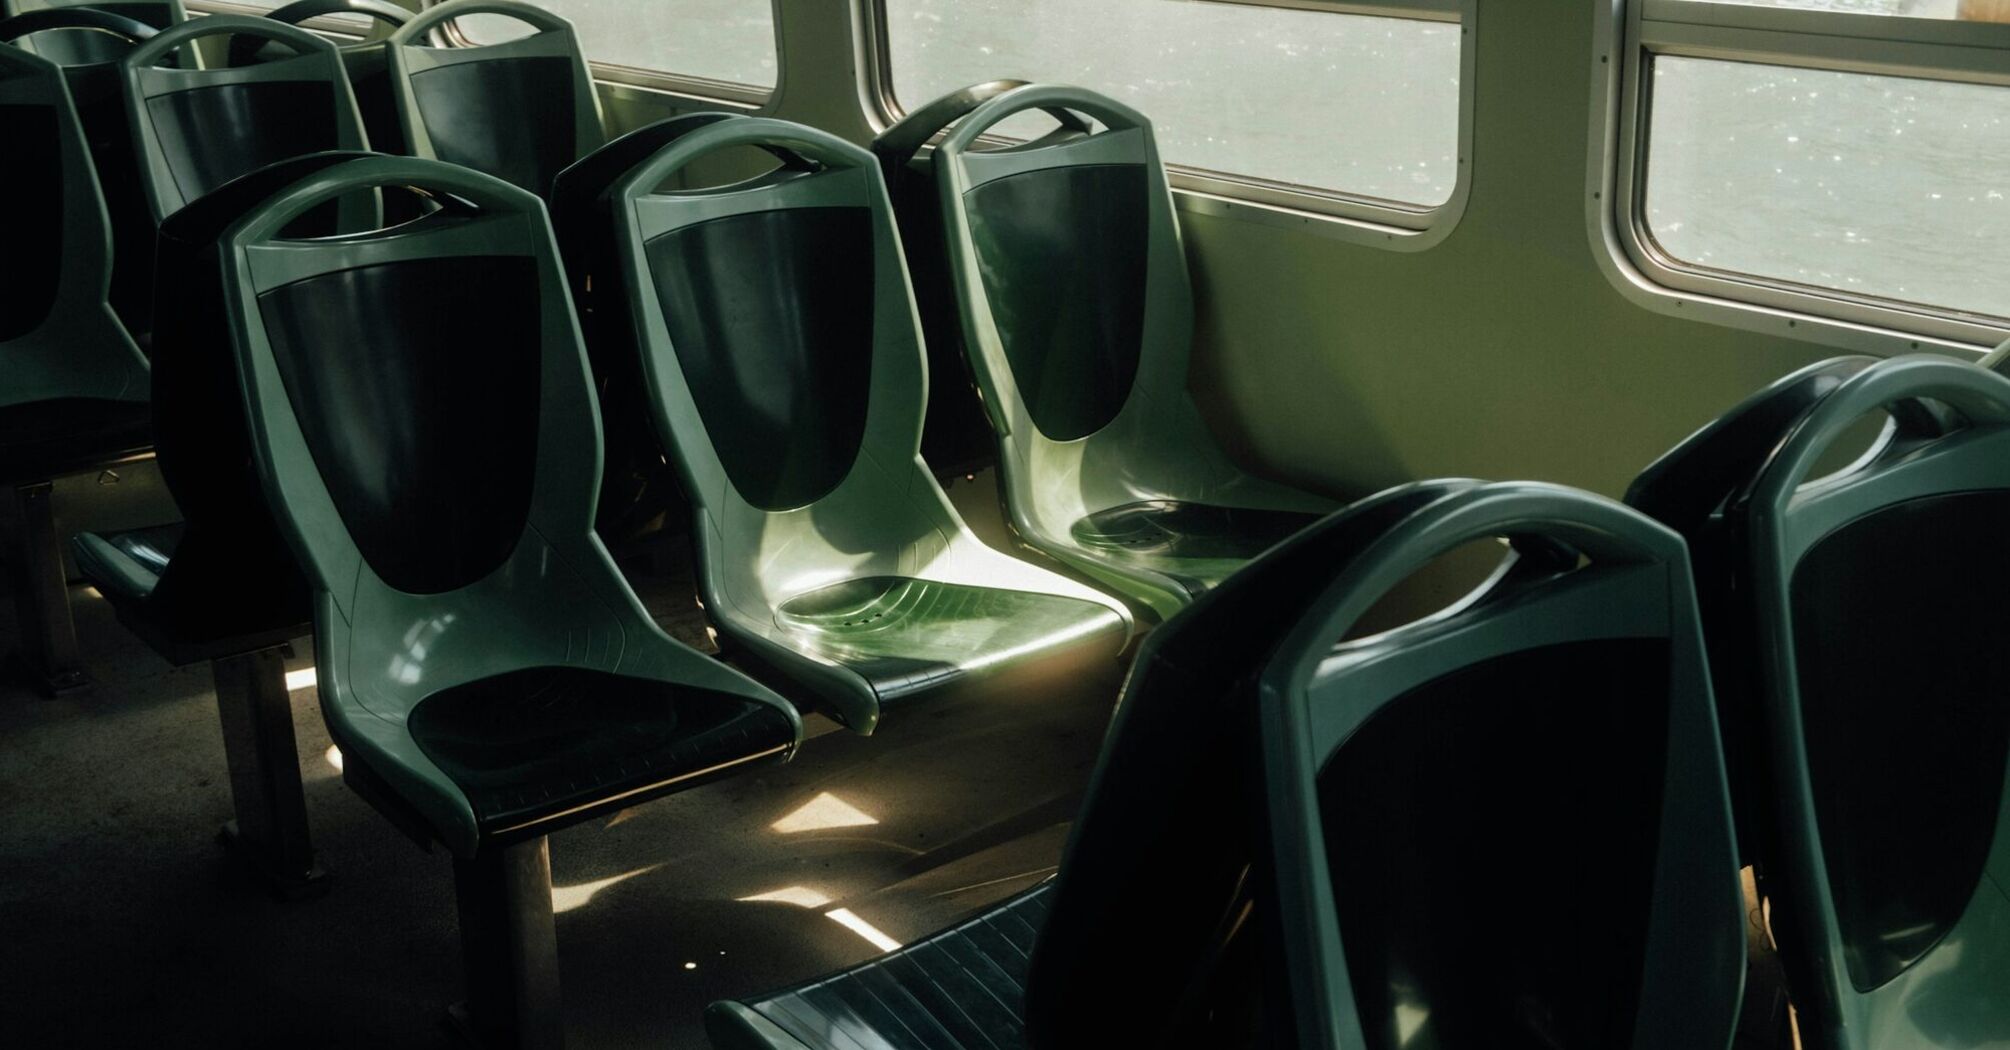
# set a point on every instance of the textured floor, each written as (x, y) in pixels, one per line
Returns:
(121, 924)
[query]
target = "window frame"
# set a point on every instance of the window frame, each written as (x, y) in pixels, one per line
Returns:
(326, 25)
(1886, 45)
(708, 89)
(1352, 216)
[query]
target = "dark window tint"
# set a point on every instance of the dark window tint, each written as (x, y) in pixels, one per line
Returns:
(416, 385)
(510, 117)
(210, 135)
(1905, 702)
(1492, 837)
(771, 315)
(1063, 256)
(31, 180)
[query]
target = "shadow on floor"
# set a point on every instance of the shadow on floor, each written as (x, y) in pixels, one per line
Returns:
(124, 926)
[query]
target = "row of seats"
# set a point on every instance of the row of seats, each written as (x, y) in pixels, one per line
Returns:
(162, 128)
(491, 677)
(1519, 822)
(1108, 466)
(831, 558)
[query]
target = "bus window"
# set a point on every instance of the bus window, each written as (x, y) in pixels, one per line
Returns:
(1836, 157)
(730, 43)
(1249, 93)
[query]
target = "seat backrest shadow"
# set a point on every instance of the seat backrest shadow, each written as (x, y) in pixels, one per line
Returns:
(1886, 733)
(426, 433)
(98, 91)
(59, 339)
(521, 110)
(199, 128)
(1506, 824)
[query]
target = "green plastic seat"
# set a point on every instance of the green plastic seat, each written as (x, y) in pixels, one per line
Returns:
(199, 128)
(59, 339)
(73, 385)
(956, 438)
(88, 47)
(521, 110)
(99, 93)
(778, 347)
(367, 60)
(1883, 728)
(1078, 320)
(224, 583)
(1154, 933)
(1698, 490)
(482, 664)
(1506, 824)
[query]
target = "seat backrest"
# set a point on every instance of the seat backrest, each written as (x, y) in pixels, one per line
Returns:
(1077, 311)
(1887, 699)
(957, 437)
(1506, 824)
(521, 110)
(70, 47)
(367, 60)
(1694, 489)
(1156, 872)
(639, 485)
(199, 128)
(195, 129)
(774, 315)
(424, 428)
(98, 91)
(58, 336)
(202, 440)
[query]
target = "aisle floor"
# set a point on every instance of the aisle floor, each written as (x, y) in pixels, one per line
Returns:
(125, 926)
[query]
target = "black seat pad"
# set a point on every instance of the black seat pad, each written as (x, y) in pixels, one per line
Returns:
(1197, 544)
(961, 989)
(549, 742)
(48, 439)
(150, 548)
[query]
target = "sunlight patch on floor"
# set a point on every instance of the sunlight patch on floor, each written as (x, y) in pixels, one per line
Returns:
(301, 679)
(800, 896)
(823, 812)
(566, 898)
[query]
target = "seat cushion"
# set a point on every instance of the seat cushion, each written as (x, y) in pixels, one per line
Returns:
(905, 636)
(1198, 544)
(547, 746)
(961, 989)
(127, 565)
(41, 440)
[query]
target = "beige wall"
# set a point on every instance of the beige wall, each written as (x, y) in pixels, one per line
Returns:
(1503, 352)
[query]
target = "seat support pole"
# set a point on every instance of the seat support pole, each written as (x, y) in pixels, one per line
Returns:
(42, 592)
(509, 942)
(270, 832)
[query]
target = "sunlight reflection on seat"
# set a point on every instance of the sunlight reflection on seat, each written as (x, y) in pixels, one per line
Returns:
(845, 918)
(800, 896)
